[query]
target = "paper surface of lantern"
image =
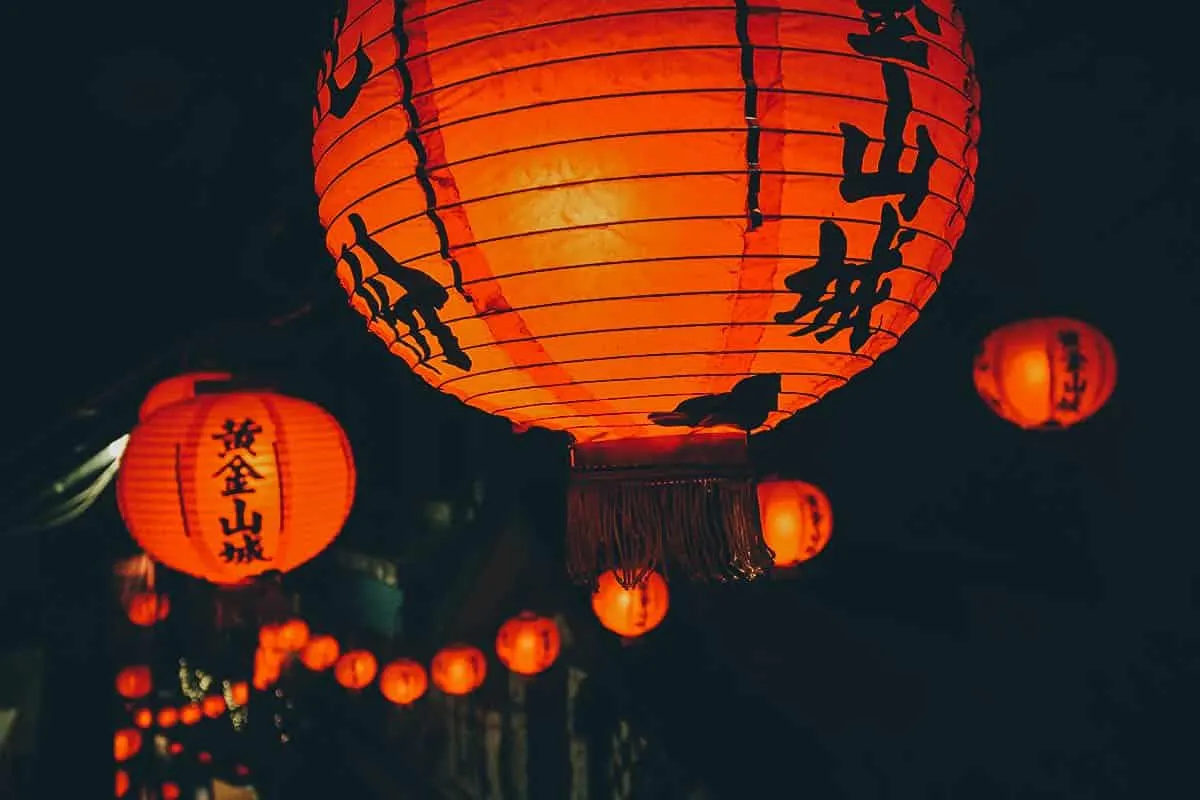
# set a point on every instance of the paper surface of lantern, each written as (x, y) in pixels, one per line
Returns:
(134, 682)
(631, 612)
(228, 486)
(459, 669)
(1048, 373)
(632, 220)
(320, 653)
(403, 681)
(167, 717)
(797, 519)
(356, 669)
(177, 389)
(528, 644)
(147, 608)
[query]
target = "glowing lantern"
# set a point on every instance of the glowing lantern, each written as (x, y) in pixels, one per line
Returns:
(134, 682)
(178, 389)
(796, 519)
(126, 744)
(268, 637)
(227, 486)
(528, 644)
(239, 693)
(356, 669)
(267, 665)
(1046, 373)
(403, 681)
(167, 717)
(143, 718)
(679, 222)
(459, 669)
(213, 706)
(320, 653)
(293, 635)
(147, 608)
(631, 612)
(204, 757)
(190, 714)
(122, 783)
(170, 791)
(175, 748)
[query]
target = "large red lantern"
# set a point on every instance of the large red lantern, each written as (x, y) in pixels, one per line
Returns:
(528, 644)
(1046, 373)
(227, 486)
(632, 220)
(797, 519)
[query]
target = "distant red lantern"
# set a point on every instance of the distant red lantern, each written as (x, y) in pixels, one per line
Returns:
(147, 608)
(631, 612)
(167, 717)
(190, 714)
(356, 669)
(122, 783)
(227, 486)
(797, 519)
(293, 635)
(403, 681)
(204, 757)
(1046, 374)
(267, 666)
(178, 389)
(239, 693)
(528, 644)
(143, 718)
(170, 791)
(213, 706)
(320, 653)
(126, 744)
(268, 637)
(175, 748)
(459, 669)
(134, 682)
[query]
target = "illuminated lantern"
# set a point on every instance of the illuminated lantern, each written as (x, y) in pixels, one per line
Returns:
(204, 757)
(459, 669)
(143, 718)
(190, 714)
(147, 608)
(213, 706)
(403, 681)
(651, 221)
(267, 665)
(175, 748)
(227, 486)
(631, 612)
(356, 669)
(126, 744)
(134, 682)
(170, 791)
(528, 644)
(167, 717)
(239, 693)
(1046, 373)
(268, 637)
(177, 389)
(320, 653)
(796, 519)
(293, 635)
(122, 783)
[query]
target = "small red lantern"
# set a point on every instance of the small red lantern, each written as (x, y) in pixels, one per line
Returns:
(167, 717)
(213, 706)
(190, 714)
(126, 744)
(320, 653)
(459, 669)
(403, 681)
(147, 608)
(134, 682)
(796, 519)
(239, 693)
(356, 669)
(170, 791)
(204, 757)
(143, 718)
(528, 644)
(178, 389)
(175, 748)
(631, 612)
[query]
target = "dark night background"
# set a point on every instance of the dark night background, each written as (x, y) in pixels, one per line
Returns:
(999, 614)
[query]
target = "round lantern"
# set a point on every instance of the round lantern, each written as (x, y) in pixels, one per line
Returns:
(122, 783)
(1046, 373)
(267, 666)
(143, 718)
(631, 612)
(459, 669)
(213, 706)
(672, 223)
(191, 714)
(403, 681)
(292, 636)
(169, 791)
(239, 694)
(126, 744)
(177, 389)
(227, 486)
(796, 519)
(528, 644)
(167, 717)
(147, 608)
(134, 682)
(356, 669)
(320, 653)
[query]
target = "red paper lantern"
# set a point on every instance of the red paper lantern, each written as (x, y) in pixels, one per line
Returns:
(356, 669)
(293, 635)
(143, 718)
(631, 612)
(528, 644)
(147, 608)
(796, 519)
(239, 693)
(134, 682)
(126, 744)
(167, 717)
(459, 669)
(320, 653)
(630, 220)
(178, 389)
(403, 681)
(170, 791)
(191, 714)
(227, 486)
(213, 706)
(122, 783)
(1046, 373)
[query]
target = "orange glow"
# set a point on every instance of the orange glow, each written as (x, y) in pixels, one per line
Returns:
(190, 714)
(213, 706)
(267, 665)
(268, 637)
(293, 635)
(528, 644)
(178, 389)
(356, 669)
(175, 748)
(239, 693)
(1046, 373)
(122, 783)
(578, 208)
(174, 483)
(126, 744)
(459, 669)
(143, 718)
(241, 769)
(167, 717)
(796, 519)
(403, 681)
(631, 612)
(147, 608)
(170, 791)
(134, 682)
(320, 653)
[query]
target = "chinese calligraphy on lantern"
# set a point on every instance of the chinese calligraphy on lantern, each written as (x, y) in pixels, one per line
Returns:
(242, 524)
(1075, 384)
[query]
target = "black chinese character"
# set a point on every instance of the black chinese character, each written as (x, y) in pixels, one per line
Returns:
(889, 29)
(239, 524)
(888, 179)
(250, 550)
(1076, 385)
(238, 435)
(857, 289)
(238, 473)
(815, 516)
(342, 98)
